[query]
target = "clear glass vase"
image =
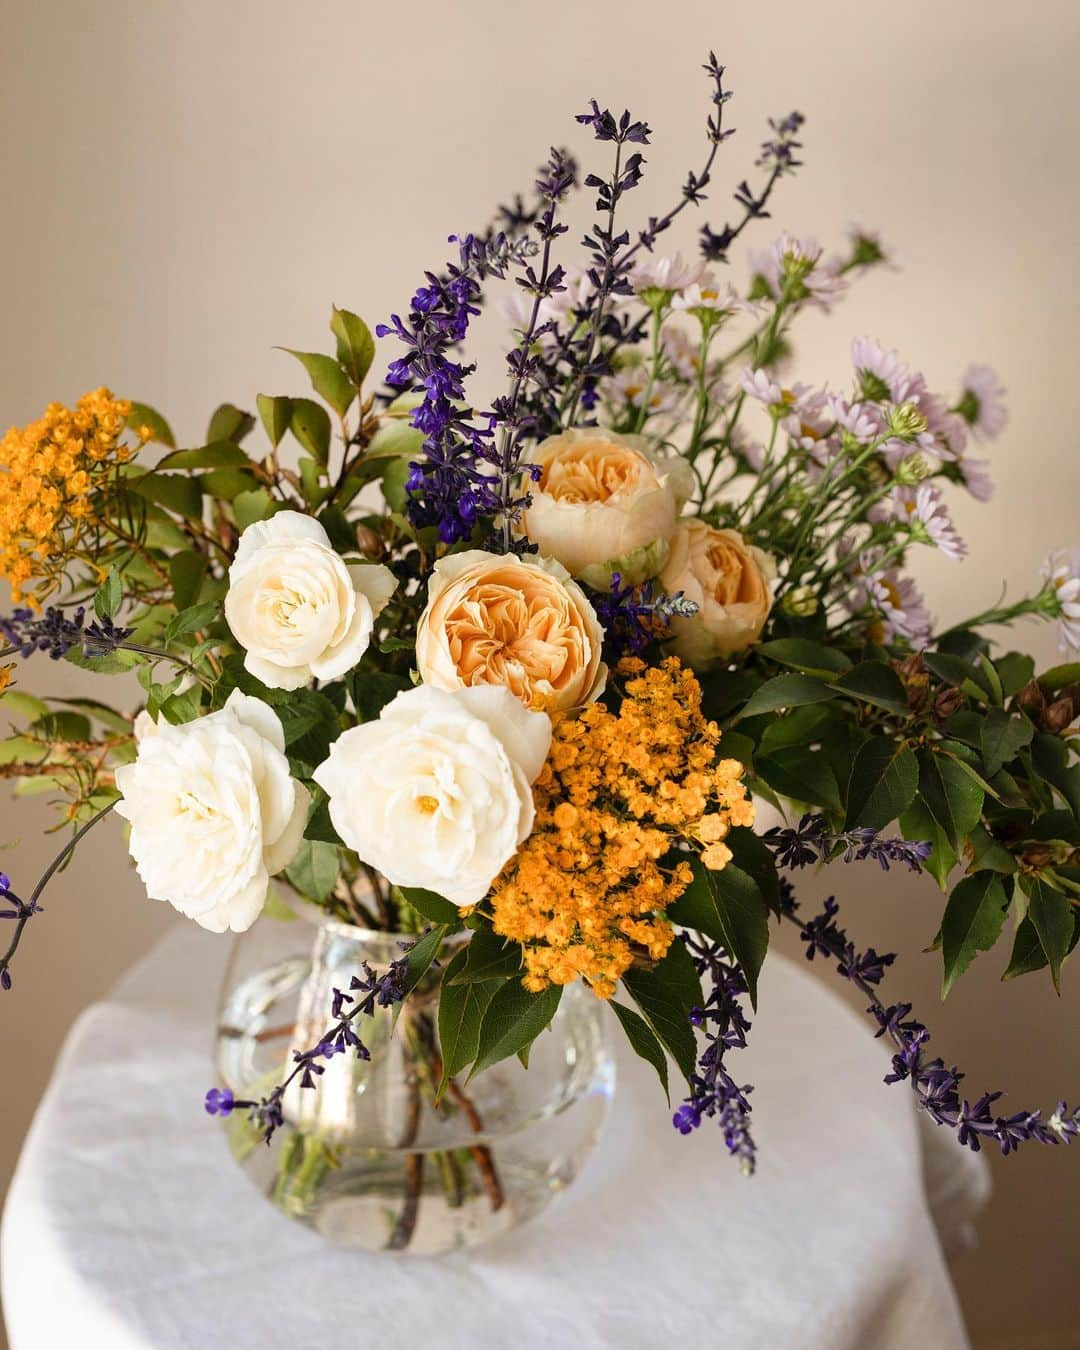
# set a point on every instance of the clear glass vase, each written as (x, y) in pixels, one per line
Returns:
(370, 1157)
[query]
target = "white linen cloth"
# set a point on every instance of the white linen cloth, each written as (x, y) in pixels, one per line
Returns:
(128, 1226)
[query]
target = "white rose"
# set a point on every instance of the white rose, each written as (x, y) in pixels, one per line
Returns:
(436, 793)
(214, 811)
(296, 607)
(605, 503)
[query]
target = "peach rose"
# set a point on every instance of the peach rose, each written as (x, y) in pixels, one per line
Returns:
(729, 580)
(605, 503)
(516, 622)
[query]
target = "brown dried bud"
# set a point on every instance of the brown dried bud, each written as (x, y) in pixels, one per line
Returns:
(368, 542)
(916, 681)
(1054, 717)
(947, 702)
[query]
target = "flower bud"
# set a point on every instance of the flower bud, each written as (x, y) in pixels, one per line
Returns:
(906, 421)
(801, 602)
(913, 470)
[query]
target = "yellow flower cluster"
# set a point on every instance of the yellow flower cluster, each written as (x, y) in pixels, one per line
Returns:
(586, 894)
(49, 473)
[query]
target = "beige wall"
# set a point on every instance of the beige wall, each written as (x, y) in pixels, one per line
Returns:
(186, 184)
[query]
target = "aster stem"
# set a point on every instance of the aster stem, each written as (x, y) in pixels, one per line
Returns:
(28, 908)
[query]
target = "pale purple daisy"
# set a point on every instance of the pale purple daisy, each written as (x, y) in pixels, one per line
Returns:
(976, 477)
(1062, 571)
(667, 274)
(928, 518)
(897, 600)
(760, 384)
(883, 377)
(982, 402)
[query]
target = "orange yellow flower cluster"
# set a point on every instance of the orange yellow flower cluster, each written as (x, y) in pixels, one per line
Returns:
(49, 472)
(587, 891)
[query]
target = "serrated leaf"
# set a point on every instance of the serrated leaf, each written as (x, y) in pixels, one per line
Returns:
(882, 785)
(192, 620)
(972, 923)
(275, 412)
(785, 691)
(327, 379)
(917, 823)
(309, 422)
(665, 1000)
(422, 953)
(462, 1006)
(875, 683)
(729, 907)
(643, 1041)
(315, 870)
(512, 1021)
(491, 957)
(355, 345)
(1051, 915)
(1001, 739)
(954, 798)
(801, 774)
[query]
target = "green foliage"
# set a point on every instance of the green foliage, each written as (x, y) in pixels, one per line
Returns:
(972, 922)
(664, 994)
(643, 1041)
(729, 907)
(275, 413)
(511, 1022)
(315, 870)
(328, 379)
(142, 415)
(355, 345)
(462, 1007)
(884, 778)
(309, 422)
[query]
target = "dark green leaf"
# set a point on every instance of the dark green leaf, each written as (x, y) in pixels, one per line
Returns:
(320, 827)
(429, 905)
(461, 1012)
(491, 957)
(803, 726)
(959, 672)
(987, 855)
(372, 690)
(972, 923)
(142, 415)
(954, 798)
(215, 455)
(753, 856)
(1050, 757)
(355, 345)
(727, 906)
(181, 495)
(918, 823)
(513, 1020)
(191, 620)
(327, 379)
(802, 774)
(249, 507)
(1002, 739)
(876, 683)
(813, 658)
(395, 439)
(882, 784)
(1057, 677)
(64, 727)
(1027, 952)
(310, 424)
(276, 414)
(662, 995)
(643, 1042)
(422, 953)
(1014, 670)
(187, 571)
(786, 691)
(1051, 915)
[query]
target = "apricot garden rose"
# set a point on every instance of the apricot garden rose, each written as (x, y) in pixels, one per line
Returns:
(606, 503)
(729, 580)
(521, 623)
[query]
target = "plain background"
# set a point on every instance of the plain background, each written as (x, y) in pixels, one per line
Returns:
(185, 185)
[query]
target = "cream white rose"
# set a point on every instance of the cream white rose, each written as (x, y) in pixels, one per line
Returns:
(521, 623)
(296, 607)
(729, 580)
(436, 792)
(605, 503)
(214, 811)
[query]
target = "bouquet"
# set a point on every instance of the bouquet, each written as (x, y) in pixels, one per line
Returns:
(524, 672)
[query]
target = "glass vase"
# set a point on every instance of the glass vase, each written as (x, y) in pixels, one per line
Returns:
(372, 1157)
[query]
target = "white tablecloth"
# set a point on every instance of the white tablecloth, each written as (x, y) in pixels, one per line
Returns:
(129, 1227)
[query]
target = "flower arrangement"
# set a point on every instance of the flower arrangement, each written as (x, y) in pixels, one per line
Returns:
(522, 671)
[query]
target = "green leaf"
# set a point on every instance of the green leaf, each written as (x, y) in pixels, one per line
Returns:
(876, 683)
(393, 484)
(882, 784)
(310, 723)
(643, 1042)
(513, 1020)
(753, 856)
(315, 870)
(372, 690)
(1051, 915)
(665, 996)
(462, 1006)
(275, 411)
(810, 657)
(187, 571)
(355, 345)
(1014, 670)
(1057, 677)
(803, 726)
(1050, 757)
(319, 826)
(22, 704)
(422, 953)
(192, 620)
(310, 424)
(180, 495)
(229, 423)
(727, 906)
(64, 727)
(1002, 738)
(917, 823)
(972, 923)
(1027, 952)
(248, 507)
(802, 774)
(954, 798)
(142, 415)
(987, 855)
(430, 906)
(785, 691)
(959, 672)
(227, 484)
(109, 595)
(327, 379)
(491, 957)
(395, 440)
(214, 455)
